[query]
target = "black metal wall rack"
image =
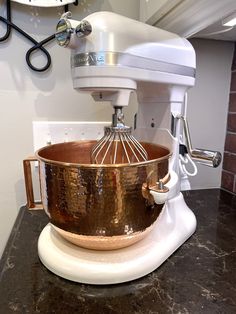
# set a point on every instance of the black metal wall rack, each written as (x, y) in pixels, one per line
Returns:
(36, 45)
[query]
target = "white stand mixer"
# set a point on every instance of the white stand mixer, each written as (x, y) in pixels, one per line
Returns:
(113, 56)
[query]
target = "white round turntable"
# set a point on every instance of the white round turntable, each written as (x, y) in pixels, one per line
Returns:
(174, 226)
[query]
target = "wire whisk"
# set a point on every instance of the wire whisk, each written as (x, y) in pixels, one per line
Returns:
(118, 146)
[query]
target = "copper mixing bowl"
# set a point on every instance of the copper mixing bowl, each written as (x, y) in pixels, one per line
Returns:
(99, 206)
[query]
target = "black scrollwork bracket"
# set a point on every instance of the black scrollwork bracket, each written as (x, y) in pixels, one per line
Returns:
(36, 45)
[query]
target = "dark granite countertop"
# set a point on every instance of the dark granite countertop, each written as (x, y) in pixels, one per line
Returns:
(200, 277)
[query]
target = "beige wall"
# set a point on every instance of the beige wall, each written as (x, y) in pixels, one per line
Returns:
(208, 104)
(26, 96)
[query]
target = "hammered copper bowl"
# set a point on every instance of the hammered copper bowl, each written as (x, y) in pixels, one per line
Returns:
(99, 206)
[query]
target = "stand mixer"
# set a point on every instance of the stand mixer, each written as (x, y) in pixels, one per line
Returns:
(111, 57)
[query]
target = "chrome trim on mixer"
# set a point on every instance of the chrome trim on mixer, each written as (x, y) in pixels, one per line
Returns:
(110, 58)
(64, 30)
(83, 29)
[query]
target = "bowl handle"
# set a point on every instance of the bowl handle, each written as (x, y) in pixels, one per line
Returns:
(31, 204)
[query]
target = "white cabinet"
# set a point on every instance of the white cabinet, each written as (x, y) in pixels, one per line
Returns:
(185, 17)
(152, 10)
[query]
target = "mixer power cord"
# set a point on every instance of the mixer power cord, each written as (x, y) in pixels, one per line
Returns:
(185, 159)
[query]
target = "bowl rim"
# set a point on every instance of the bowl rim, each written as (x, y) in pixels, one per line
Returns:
(96, 166)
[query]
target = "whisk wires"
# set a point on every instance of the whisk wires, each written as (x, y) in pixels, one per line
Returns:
(118, 146)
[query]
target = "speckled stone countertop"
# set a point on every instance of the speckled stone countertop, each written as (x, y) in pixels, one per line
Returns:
(200, 277)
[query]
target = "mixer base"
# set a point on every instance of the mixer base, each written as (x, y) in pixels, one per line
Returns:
(174, 226)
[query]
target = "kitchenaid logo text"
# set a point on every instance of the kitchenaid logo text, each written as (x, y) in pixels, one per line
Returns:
(88, 59)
